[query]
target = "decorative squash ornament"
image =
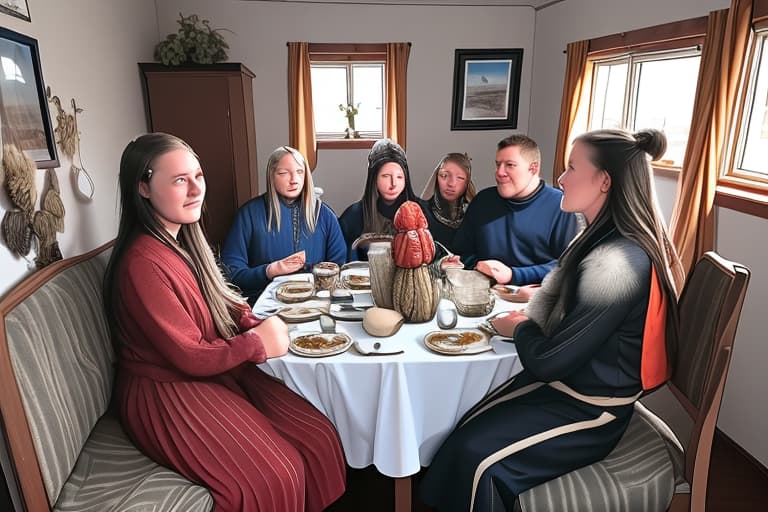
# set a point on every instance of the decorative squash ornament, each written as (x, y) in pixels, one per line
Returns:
(413, 245)
(415, 291)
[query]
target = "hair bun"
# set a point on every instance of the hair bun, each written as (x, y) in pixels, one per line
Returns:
(652, 141)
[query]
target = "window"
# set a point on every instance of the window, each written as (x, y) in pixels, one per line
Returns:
(338, 85)
(752, 147)
(647, 90)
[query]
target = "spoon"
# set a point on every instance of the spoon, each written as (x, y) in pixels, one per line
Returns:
(376, 350)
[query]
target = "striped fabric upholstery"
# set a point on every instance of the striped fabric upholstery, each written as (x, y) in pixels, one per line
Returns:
(639, 474)
(111, 474)
(63, 361)
(700, 307)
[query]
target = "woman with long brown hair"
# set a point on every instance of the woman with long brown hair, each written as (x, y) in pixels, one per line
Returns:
(188, 392)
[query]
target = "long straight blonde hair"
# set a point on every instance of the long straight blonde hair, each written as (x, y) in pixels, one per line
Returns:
(138, 216)
(310, 205)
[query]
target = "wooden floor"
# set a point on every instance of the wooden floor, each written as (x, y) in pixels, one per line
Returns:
(736, 484)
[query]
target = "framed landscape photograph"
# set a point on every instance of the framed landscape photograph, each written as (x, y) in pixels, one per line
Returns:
(18, 8)
(486, 89)
(24, 117)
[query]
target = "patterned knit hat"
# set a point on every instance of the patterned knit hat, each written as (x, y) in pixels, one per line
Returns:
(383, 151)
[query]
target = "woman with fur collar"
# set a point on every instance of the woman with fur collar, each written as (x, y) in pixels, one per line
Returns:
(599, 332)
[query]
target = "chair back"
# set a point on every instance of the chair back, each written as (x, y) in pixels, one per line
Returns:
(709, 307)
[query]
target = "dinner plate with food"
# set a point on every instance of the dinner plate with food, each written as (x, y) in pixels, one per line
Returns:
(294, 291)
(458, 341)
(318, 344)
(356, 278)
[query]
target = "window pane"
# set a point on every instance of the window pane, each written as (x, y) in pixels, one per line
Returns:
(608, 96)
(665, 93)
(755, 157)
(329, 89)
(367, 90)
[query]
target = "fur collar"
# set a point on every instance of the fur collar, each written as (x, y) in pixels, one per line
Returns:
(608, 273)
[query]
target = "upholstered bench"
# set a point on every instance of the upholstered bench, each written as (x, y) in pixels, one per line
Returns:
(56, 375)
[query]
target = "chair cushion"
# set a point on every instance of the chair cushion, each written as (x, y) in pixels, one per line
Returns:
(112, 475)
(639, 474)
(63, 362)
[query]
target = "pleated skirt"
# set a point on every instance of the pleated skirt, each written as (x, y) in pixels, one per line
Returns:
(255, 444)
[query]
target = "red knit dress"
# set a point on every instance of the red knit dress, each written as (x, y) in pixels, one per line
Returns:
(195, 403)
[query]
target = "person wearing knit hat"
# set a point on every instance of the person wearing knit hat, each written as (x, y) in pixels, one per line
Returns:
(387, 187)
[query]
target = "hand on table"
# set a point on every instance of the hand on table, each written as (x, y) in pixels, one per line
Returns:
(495, 269)
(287, 265)
(505, 325)
(274, 335)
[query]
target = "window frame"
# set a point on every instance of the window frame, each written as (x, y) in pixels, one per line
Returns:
(330, 53)
(629, 106)
(735, 189)
(335, 136)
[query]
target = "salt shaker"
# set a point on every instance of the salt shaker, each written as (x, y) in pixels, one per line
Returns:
(446, 317)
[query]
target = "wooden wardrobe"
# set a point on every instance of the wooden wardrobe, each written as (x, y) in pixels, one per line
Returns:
(211, 108)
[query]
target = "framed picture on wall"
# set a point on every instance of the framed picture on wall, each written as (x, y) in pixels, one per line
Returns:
(486, 89)
(24, 117)
(18, 8)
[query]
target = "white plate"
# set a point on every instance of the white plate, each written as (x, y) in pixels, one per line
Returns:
(356, 278)
(342, 342)
(298, 314)
(450, 342)
(294, 291)
(345, 312)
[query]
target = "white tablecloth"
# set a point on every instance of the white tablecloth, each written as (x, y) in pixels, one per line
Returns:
(394, 411)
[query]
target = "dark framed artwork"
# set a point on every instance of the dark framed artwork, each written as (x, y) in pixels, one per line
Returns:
(24, 117)
(486, 89)
(18, 8)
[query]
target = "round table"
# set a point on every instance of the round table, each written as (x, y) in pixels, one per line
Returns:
(395, 411)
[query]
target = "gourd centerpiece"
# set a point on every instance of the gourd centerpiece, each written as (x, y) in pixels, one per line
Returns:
(415, 292)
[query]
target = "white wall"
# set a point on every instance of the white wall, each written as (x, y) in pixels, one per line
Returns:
(261, 30)
(88, 50)
(739, 237)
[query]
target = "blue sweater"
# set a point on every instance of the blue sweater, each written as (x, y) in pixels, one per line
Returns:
(250, 247)
(527, 235)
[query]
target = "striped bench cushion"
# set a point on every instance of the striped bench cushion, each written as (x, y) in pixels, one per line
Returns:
(111, 475)
(63, 361)
(641, 473)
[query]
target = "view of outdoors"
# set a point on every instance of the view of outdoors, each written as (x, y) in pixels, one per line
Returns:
(754, 157)
(647, 92)
(359, 85)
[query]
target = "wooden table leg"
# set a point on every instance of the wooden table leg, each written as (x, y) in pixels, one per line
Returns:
(403, 494)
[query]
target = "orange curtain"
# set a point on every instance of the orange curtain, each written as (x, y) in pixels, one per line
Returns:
(397, 90)
(578, 77)
(722, 63)
(301, 119)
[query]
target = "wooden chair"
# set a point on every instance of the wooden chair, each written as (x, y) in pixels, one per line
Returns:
(649, 469)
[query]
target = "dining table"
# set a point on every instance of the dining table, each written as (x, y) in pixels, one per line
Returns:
(391, 411)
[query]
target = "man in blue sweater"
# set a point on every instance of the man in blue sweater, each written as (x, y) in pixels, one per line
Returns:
(515, 232)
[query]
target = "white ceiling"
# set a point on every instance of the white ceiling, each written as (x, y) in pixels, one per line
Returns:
(536, 4)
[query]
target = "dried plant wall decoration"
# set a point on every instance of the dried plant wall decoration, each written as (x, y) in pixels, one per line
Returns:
(68, 139)
(16, 225)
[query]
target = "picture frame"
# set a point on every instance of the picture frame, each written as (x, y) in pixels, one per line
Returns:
(17, 8)
(24, 116)
(486, 89)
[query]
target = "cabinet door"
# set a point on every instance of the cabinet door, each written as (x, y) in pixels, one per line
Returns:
(195, 107)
